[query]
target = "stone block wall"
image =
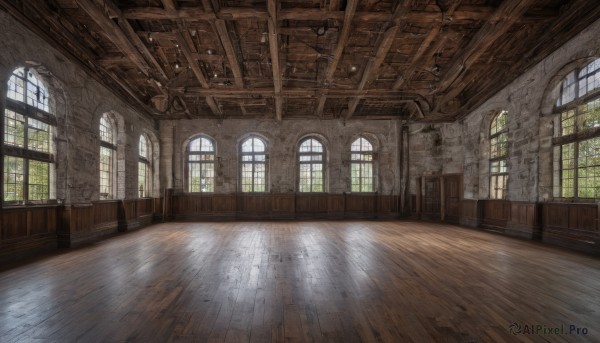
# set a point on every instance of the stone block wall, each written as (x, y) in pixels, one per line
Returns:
(283, 138)
(78, 103)
(463, 146)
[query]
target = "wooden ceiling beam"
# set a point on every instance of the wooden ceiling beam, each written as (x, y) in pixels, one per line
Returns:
(295, 93)
(133, 37)
(387, 39)
(424, 47)
(498, 24)
(113, 32)
(274, 49)
(339, 51)
(237, 13)
(223, 34)
(193, 63)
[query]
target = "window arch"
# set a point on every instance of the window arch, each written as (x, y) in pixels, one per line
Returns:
(201, 165)
(311, 165)
(499, 156)
(145, 167)
(577, 138)
(362, 176)
(108, 156)
(29, 156)
(253, 165)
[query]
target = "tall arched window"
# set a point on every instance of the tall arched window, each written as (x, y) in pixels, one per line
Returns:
(201, 165)
(311, 165)
(577, 138)
(145, 167)
(253, 155)
(499, 156)
(108, 152)
(362, 176)
(28, 145)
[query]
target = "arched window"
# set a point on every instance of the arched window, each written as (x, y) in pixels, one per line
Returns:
(145, 167)
(362, 176)
(499, 156)
(108, 152)
(201, 165)
(253, 155)
(28, 145)
(577, 141)
(311, 165)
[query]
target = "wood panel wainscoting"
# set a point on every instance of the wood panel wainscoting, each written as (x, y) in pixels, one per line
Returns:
(185, 206)
(27, 230)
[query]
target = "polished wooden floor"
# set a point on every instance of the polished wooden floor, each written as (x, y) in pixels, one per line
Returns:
(302, 282)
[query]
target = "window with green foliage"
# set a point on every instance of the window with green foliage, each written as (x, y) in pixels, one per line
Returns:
(145, 167)
(311, 165)
(253, 156)
(362, 176)
(499, 156)
(201, 165)
(577, 141)
(108, 152)
(28, 146)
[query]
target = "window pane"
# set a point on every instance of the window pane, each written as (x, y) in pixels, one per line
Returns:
(38, 136)
(106, 173)
(143, 147)
(106, 130)
(37, 94)
(16, 85)
(142, 191)
(568, 170)
(588, 180)
(39, 184)
(14, 129)
(14, 178)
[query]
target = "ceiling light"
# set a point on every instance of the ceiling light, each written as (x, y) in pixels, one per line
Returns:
(321, 30)
(210, 51)
(263, 38)
(215, 75)
(177, 65)
(436, 69)
(353, 69)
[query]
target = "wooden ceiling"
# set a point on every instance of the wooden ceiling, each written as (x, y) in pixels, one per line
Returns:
(420, 60)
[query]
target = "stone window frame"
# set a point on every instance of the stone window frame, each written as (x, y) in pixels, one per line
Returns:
(145, 161)
(373, 162)
(323, 162)
(570, 133)
(39, 112)
(498, 164)
(253, 163)
(205, 158)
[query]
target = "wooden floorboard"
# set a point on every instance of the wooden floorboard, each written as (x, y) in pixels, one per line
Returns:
(359, 281)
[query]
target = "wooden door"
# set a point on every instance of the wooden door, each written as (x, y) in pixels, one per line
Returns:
(431, 198)
(451, 198)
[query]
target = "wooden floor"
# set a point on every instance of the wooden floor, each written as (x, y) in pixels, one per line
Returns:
(303, 281)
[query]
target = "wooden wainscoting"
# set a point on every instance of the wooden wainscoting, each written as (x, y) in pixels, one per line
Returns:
(571, 225)
(85, 223)
(495, 213)
(282, 206)
(524, 220)
(27, 230)
(470, 212)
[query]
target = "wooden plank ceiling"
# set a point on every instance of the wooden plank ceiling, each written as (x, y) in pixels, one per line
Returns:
(420, 60)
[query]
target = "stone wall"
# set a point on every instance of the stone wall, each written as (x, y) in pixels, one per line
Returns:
(463, 146)
(78, 102)
(283, 138)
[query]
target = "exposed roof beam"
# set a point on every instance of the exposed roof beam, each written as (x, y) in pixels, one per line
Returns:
(501, 20)
(295, 93)
(136, 41)
(339, 50)
(233, 13)
(197, 72)
(433, 33)
(114, 34)
(223, 34)
(274, 47)
(372, 70)
(169, 5)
